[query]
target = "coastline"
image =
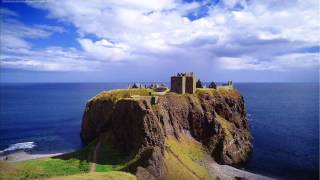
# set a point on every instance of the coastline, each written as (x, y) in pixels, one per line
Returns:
(229, 172)
(24, 156)
(215, 169)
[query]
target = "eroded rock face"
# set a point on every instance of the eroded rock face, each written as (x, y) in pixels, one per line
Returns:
(217, 120)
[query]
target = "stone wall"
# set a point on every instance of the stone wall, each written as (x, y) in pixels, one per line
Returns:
(190, 84)
(178, 84)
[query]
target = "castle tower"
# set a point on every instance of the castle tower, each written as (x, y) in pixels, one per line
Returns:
(183, 83)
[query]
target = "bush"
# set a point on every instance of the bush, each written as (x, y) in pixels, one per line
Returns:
(213, 85)
(199, 84)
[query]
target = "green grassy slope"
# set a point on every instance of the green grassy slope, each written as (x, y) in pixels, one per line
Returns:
(98, 175)
(182, 159)
(78, 162)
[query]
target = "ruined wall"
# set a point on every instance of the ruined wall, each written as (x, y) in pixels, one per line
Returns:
(178, 84)
(190, 84)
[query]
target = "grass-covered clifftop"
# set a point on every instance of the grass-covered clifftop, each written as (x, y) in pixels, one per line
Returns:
(123, 93)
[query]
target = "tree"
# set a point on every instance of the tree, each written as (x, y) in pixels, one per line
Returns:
(213, 85)
(199, 84)
(135, 86)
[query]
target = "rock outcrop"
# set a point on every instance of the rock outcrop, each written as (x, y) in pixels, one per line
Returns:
(215, 118)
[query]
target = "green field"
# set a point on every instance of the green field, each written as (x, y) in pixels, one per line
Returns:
(116, 175)
(78, 162)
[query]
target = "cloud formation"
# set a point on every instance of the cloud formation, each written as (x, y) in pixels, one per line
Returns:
(267, 35)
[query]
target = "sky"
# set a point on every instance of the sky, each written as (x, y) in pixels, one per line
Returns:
(139, 40)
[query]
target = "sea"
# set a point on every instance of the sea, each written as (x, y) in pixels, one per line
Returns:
(46, 118)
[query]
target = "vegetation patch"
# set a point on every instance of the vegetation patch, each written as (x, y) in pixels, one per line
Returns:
(202, 91)
(44, 168)
(123, 93)
(63, 165)
(194, 101)
(98, 175)
(226, 126)
(223, 91)
(107, 158)
(8, 171)
(111, 160)
(54, 167)
(227, 91)
(182, 159)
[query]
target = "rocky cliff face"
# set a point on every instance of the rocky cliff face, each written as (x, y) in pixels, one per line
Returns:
(216, 118)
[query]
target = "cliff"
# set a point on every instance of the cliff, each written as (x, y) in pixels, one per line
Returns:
(177, 130)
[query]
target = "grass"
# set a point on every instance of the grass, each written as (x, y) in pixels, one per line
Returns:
(63, 165)
(229, 92)
(44, 168)
(56, 167)
(194, 101)
(226, 125)
(182, 157)
(8, 171)
(223, 91)
(123, 93)
(96, 175)
(202, 91)
(107, 158)
(110, 160)
(74, 163)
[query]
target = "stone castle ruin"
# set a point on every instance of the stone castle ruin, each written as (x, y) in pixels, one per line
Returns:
(183, 83)
(228, 84)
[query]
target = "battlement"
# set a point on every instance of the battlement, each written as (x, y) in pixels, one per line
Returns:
(185, 74)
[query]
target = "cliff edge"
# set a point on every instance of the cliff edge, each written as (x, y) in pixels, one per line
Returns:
(171, 131)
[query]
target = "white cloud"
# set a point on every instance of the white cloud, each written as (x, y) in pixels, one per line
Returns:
(298, 60)
(11, 41)
(18, 53)
(278, 63)
(238, 34)
(49, 59)
(105, 49)
(14, 33)
(244, 63)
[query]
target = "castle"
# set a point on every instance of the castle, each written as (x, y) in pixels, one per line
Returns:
(183, 83)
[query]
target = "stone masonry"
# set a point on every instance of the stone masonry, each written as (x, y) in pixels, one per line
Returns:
(183, 83)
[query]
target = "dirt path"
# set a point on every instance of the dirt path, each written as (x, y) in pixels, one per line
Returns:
(94, 160)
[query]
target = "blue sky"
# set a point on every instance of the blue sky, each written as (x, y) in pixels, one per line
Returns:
(122, 41)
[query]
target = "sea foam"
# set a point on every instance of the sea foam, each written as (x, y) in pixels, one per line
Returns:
(19, 146)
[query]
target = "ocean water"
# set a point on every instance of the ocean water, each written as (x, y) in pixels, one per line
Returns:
(284, 118)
